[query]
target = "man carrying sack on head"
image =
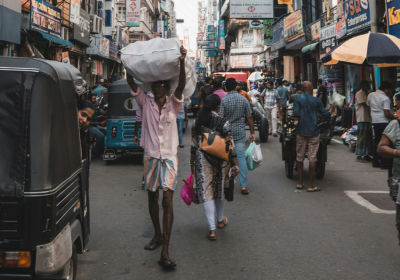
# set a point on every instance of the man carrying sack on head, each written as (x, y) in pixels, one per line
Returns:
(160, 133)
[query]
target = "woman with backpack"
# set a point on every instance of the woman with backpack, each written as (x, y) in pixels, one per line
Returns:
(211, 175)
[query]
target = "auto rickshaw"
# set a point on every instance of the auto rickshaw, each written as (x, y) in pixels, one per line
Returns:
(288, 142)
(121, 120)
(44, 181)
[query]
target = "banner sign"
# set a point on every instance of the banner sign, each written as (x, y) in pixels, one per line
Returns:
(99, 45)
(221, 34)
(211, 45)
(210, 28)
(46, 18)
(393, 18)
(199, 36)
(248, 39)
(327, 39)
(75, 11)
(133, 13)
(210, 37)
(169, 34)
(256, 24)
(172, 23)
(241, 61)
(341, 28)
(81, 31)
(113, 51)
(293, 25)
(278, 29)
(357, 16)
(273, 55)
(160, 27)
(251, 9)
(268, 31)
(212, 53)
(339, 8)
(285, 2)
(315, 30)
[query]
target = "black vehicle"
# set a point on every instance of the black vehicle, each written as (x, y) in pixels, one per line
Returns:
(194, 106)
(44, 179)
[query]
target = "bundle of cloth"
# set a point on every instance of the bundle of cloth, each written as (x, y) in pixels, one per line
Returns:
(350, 138)
(158, 59)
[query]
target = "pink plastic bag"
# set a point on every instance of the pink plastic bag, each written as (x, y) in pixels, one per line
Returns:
(187, 192)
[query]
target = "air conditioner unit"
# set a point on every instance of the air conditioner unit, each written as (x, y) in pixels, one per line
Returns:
(64, 33)
(94, 24)
(100, 25)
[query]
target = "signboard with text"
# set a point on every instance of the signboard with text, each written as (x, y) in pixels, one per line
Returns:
(133, 13)
(315, 31)
(341, 28)
(268, 31)
(293, 26)
(327, 39)
(251, 9)
(393, 18)
(357, 16)
(81, 31)
(99, 45)
(221, 34)
(46, 18)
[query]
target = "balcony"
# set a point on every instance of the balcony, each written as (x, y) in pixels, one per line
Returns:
(323, 18)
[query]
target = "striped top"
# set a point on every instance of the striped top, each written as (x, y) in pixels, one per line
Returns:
(392, 131)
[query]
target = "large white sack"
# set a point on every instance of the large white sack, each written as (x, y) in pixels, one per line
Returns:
(139, 57)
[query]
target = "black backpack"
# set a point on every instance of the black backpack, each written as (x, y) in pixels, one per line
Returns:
(206, 91)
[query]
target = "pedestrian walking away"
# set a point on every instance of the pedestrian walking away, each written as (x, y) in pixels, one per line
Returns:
(180, 119)
(364, 124)
(297, 93)
(284, 96)
(381, 116)
(236, 108)
(206, 90)
(321, 92)
(211, 176)
(271, 101)
(306, 108)
(217, 87)
(159, 116)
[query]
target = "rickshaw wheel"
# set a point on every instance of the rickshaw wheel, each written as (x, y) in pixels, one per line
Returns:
(73, 264)
(263, 130)
(289, 160)
(320, 168)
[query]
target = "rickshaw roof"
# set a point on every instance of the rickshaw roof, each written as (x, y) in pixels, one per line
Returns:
(121, 86)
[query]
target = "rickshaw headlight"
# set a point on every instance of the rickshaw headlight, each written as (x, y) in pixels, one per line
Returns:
(15, 259)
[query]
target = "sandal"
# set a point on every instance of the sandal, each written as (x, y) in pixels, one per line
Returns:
(211, 237)
(297, 187)
(223, 223)
(314, 190)
(245, 191)
(158, 243)
(170, 264)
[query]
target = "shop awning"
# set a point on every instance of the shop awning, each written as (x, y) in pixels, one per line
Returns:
(54, 39)
(309, 48)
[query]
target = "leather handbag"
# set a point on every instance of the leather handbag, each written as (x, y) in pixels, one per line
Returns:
(213, 144)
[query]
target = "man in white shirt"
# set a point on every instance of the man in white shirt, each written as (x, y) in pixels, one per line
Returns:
(380, 113)
(364, 124)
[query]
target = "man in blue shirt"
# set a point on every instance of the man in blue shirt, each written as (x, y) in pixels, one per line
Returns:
(284, 96)
(306, 108)
(99, 88)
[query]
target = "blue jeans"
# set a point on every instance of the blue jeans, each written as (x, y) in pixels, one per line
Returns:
(240, 146)
(100, 133)
(180, 128)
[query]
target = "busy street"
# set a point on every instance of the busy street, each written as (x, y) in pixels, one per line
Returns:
(275, 232)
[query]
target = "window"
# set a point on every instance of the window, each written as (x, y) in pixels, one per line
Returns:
(121, 13)
(131, 104)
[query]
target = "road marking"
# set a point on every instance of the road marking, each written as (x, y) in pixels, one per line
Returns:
(354, 195)
(337, 141)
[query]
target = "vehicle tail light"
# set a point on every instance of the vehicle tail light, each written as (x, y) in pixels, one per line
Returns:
(15, 259)
(114, 131)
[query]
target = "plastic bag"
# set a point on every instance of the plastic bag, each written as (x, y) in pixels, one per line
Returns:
(187, 192)
(158, 59)
(338, 99)
(253, 156)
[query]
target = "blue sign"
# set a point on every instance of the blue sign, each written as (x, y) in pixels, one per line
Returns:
(278, 30)
(221, 35)
(210, 28)
(357, 16)
(169, 34)
(212, 54)
(211, 45)
(393, 21)
(211, 37)
(46, 18)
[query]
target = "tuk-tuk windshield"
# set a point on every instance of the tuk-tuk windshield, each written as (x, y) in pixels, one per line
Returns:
(131, 104)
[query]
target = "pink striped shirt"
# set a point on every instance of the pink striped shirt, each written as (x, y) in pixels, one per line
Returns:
(159, 131)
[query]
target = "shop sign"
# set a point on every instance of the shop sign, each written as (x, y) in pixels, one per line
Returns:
(172, 24)
(160, 27)
(211, 37)
(211, 45)
(285, 2)
(212, 54)
(169, 34)
(256, 24)
(241, 61)
(202, 43)
(273, 55)
(75, 11)
(210, 28)
(261, 56)
(393, 17)
(251, 9)
(327, 39)
(315, 30)
(339, 11)
(46, 18)
(221, 34)
(133, 13)
(26, 4)
(99, 45)
(94, 67)
(278, 29)
(269, 66)
(199, 36)
(122, 38)
(357, 15)
(248, 39)
(268, 31)
(256, 62)
(341, 28)
(293, 25)
(113, 51)
(81, 31)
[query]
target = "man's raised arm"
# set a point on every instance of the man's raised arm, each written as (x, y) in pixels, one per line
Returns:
(182, 75)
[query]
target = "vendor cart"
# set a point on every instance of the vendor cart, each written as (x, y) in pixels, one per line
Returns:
(288, 143)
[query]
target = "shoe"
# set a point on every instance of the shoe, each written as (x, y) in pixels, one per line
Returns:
(181, 146)
(270, 133)
(275, 135)
(245, 191)
(368, 158)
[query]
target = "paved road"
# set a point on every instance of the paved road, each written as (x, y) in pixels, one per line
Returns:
(274, 233)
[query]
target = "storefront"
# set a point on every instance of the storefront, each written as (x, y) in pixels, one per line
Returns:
(278, 43)
(310, 55)
(98, 53)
